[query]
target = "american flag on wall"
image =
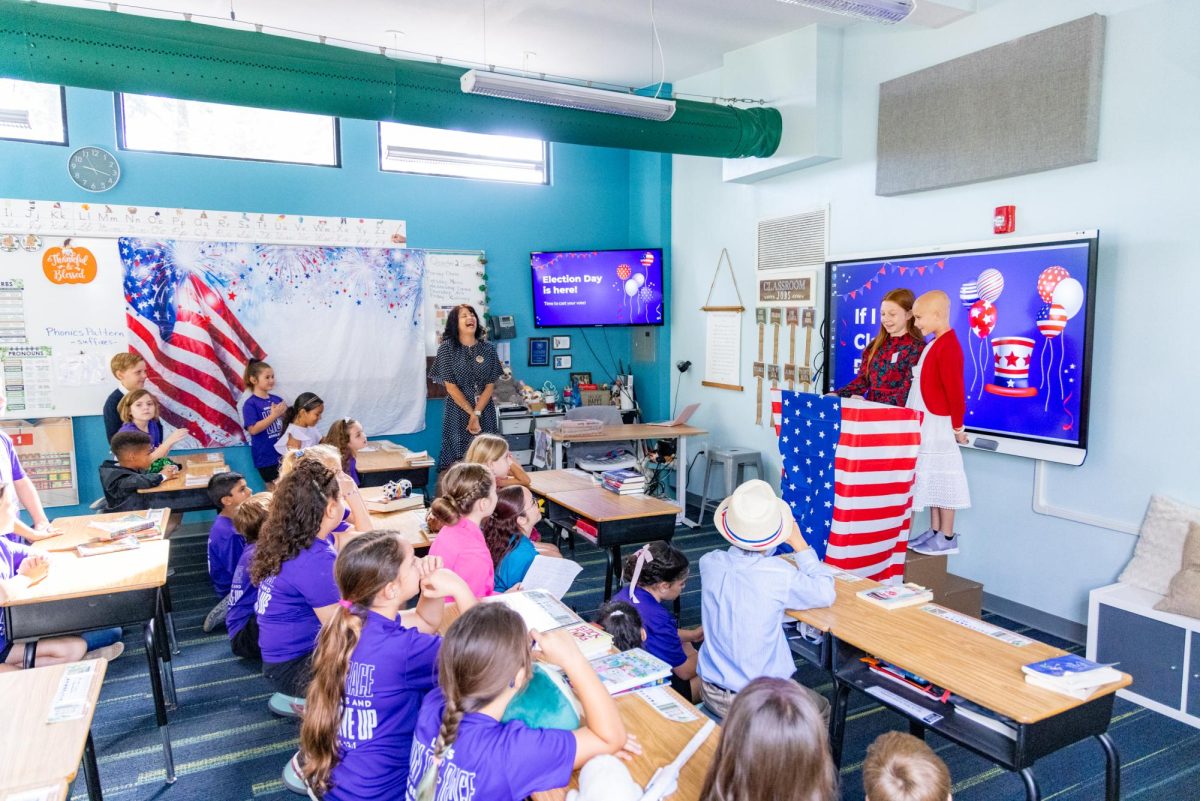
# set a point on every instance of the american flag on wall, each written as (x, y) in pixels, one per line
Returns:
(848, 468)
(195, 348)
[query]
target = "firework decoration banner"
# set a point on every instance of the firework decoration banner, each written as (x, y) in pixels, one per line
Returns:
(1017, 312)
(597, 287)
(344, 322)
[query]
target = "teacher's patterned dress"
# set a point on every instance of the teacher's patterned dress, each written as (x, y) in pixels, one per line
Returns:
(470, 369)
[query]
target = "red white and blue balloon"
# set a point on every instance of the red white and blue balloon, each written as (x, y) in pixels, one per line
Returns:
(991, 284)
(1051, 320)
(1050, 278)
(983, 318)
(968, 293)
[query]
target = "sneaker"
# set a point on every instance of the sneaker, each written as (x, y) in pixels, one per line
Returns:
(286, 706)
(921, 539)
(217, 616)
(941, 545)
(291, 776)
(109, 652)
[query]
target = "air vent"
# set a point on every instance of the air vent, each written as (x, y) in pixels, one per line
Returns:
(801, 240)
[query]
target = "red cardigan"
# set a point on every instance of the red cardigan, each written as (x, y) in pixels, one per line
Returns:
(942, 378)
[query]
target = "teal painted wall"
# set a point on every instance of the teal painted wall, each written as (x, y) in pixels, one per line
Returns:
(591, 201)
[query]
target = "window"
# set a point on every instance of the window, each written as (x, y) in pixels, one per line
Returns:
(165, 125)
(436, 151)
(32, 112)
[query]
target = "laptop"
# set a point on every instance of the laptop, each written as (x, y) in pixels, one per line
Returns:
(683, 417)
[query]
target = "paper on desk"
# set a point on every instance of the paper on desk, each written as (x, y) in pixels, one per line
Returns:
(71, 699)
(36, 794)
(154, 516)
(664, 703)
(552, 575)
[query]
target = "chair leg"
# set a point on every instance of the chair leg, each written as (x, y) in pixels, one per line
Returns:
(708, 466)
(729, 476)
(758, 465)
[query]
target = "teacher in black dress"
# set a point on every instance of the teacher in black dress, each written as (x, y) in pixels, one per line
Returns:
(467, 365)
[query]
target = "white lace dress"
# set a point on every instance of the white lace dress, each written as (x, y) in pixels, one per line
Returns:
(941, 480)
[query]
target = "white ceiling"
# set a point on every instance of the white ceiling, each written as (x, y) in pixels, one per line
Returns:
(608, 41)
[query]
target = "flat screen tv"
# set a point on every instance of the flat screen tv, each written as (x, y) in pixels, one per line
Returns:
(597, 287)
(1023, 312)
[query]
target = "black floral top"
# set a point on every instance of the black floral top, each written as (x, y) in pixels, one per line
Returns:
(470, 369)
(888, 376)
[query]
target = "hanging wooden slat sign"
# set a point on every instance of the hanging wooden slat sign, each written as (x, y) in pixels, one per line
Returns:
(723, 335)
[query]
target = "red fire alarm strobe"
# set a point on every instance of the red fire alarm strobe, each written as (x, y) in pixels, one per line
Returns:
(1005, 220)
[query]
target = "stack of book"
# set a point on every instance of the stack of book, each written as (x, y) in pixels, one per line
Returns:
(897, 597)
(624, 482)
(1070, 675)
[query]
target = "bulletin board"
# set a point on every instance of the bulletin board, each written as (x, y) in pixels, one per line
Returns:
(450, 279)
(46, 449)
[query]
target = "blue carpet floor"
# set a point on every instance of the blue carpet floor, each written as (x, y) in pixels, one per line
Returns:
(229, 747)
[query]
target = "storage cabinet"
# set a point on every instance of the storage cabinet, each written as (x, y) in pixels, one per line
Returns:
(1159, 649)
(517, 431)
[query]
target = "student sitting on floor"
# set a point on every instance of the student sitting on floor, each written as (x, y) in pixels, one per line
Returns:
(20, 568)
(900, 767)
(484, 662)
(658, 571)
(373, 665)
(227, 491)
(492, 452)
(130, 371)
(623, 622)
(139, 412)
(240, 622)
(507, 532)
(355, 515)
(468, 497)
(744, 592)
(293, 569)
(773, 748)
(348, 437)
(121, 479)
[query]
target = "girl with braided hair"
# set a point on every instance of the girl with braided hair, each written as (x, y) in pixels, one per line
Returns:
(460, 742)
(466, 497)
(373, 665)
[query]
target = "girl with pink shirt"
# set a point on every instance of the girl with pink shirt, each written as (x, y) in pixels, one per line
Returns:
(468, 496)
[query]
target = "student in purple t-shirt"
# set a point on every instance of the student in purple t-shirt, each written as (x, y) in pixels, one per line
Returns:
(240, 621)
(227, 491)
(293, 568)
(139, 412)
(262, 415)
(484, 663)
(24, 490)
(654, 573)
(347, 435)
(373, 665)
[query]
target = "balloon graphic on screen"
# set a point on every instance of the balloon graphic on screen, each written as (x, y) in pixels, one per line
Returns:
(631, 288)
(645, 293)
(983, 318)
(647, 259)
(991, 284)
(641, 279)
(1049, 279)
(968, 293)
(1069, 295)
(1051, 320)
(623, 272)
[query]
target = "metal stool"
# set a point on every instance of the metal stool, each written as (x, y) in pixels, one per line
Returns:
(735, 461)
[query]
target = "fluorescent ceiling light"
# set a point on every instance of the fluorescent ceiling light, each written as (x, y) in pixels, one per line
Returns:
(15, 118)
(532, 90)
(888, 12)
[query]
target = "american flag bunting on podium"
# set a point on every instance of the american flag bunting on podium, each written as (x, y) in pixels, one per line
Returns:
(848, 468)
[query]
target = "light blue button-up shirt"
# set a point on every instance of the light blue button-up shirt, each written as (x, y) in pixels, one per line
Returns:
(743, 598)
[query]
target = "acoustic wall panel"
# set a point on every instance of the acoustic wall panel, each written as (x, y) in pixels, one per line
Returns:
(1024, 106)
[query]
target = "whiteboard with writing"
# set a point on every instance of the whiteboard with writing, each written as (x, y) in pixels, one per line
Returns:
(61, 320)
(451, 279)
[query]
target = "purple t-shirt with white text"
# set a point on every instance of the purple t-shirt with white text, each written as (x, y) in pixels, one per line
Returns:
(225, 546)
(287, 625)
(391, 670)
(662, 629)
(12, 554)
(10, 471)
(489, 760)
(262, 444)
(242, 593)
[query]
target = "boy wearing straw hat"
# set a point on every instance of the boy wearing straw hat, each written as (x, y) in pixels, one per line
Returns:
(745, 592)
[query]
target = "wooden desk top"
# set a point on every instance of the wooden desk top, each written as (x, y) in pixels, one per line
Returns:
(194, 464)
(73, 576)
(602, 506)
(407, 522)
(661, 740)
(382, 459)
(37, 753)
(632, 431)
(542, 482)
(977, 667)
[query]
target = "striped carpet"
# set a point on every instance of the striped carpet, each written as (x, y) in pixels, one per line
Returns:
(229, 747)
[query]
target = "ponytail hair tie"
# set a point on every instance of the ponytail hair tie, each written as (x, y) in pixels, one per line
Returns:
(643, 556)
(300, 453)
(347, 605)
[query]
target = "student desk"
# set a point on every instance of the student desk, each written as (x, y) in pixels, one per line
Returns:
(408, 522)
(544, 481)
(661, 741)
(118, 589)
(618, 519)
(975, 666)
(382, 464)
(640, 432)
(176, 494)
(38, 754)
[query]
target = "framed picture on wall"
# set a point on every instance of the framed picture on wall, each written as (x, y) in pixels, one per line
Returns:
(562, 362)
(539, 351)
(562, 343)
(581, 378)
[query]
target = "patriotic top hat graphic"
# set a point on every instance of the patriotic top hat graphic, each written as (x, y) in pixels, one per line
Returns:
(1012, 356)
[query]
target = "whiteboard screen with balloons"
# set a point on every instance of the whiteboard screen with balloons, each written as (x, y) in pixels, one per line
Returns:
(597, 287)
(1022, 311)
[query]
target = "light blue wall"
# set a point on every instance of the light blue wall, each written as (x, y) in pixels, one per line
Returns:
(587, 205)
(1141, 194)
